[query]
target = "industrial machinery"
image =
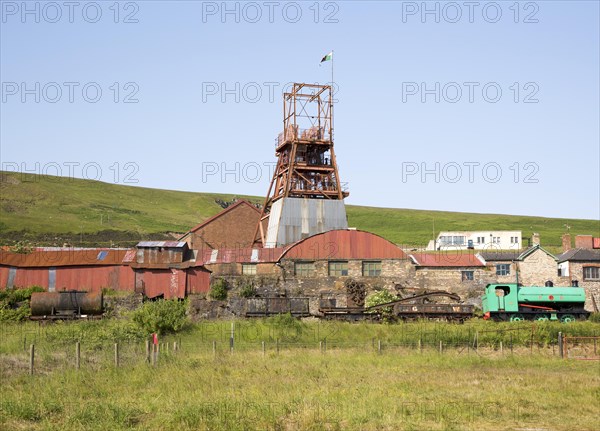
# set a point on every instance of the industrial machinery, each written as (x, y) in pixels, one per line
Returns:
(66, 305)
(514, 302)
(421, 306)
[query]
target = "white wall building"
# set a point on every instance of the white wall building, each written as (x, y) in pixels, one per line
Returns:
(477, 240)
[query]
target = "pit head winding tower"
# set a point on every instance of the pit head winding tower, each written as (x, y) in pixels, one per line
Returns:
(305, 196)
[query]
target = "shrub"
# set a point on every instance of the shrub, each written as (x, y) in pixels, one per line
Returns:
(10, 307)
(378, 298)
(595, 317)
(248, 291)
(218, 290)
(161, 316)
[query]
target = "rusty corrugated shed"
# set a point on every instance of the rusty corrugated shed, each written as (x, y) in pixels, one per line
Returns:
(448, 260)
(239, 255)
(596, 243)
(343, 244)
(63, 257)
(161, 244)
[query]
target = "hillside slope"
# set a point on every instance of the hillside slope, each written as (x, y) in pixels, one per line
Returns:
(52, 210)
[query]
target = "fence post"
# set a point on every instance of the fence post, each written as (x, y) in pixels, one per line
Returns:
(500, 346)
(147, 350)
(476, 341)
(263, 348)
(321, 346)
(379, 347)
(117, 355)
(214, 348)
(511, 343)
(77, 355)
(231, 338)
(325, 345)
(441, 347)
(31, 358)
(560, 345)
(277, 345)
(174, 346)
(420, 346)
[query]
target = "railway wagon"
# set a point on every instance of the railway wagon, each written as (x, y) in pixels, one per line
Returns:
(66, 305)
(513, 302)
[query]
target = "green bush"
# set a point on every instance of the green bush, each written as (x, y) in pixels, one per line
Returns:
(248, 291)
(218, 290)
(10, 308)
(378, 298)
(162, 316)
(595, 317)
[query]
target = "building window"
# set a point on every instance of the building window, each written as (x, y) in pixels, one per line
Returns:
(304, 269)
(503, 269)
(371, 269)
(249, 268)
(338, 269)
(452, 240)
(591, 273)
(467, 276)
(514, 239)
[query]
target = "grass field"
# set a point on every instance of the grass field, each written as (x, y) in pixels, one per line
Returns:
(349, 386)
(84, 212)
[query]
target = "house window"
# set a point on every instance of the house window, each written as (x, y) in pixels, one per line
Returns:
(338, 269)
(591, 273)
(371, 269)
(514, 239)
(249, 268)
(467, 276)
(304, 269)
(503, 269)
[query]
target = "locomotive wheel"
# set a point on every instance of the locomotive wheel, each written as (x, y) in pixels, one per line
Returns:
(566, 318)
(542, 317)
(516, 317)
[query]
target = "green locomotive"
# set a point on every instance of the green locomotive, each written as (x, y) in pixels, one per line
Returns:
(515, 302)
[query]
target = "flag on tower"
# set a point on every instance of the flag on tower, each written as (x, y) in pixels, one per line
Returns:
(327, 57)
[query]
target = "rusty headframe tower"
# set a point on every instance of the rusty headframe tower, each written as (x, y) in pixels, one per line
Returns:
(305, 196)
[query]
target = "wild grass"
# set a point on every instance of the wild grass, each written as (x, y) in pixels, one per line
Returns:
(299, 382)
(85, 212)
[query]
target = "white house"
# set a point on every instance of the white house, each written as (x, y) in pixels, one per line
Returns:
(477, 240)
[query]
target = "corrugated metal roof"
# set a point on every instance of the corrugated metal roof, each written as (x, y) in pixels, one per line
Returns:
(343, 244)
(447, 260)
(164, 244)
(240, 255)
(64, 257)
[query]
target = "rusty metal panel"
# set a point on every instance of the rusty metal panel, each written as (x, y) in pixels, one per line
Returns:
(63, 257)
(447, 259)
(256, 306)
(299, 305)
(278, 305)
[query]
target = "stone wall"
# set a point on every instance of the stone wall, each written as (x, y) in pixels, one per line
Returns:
(590, 286)
(537, 268)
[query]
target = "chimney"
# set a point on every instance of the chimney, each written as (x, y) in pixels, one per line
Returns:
(584, 241)
(566, 242)
(535, 239)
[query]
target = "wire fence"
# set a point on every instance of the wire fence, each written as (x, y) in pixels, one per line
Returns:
(45, 356)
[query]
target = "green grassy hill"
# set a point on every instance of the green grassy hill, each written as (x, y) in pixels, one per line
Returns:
(52, 210)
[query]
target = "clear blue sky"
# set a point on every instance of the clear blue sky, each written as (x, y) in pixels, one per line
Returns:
(180, 56)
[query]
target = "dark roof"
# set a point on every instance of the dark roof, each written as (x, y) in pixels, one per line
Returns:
(506, 256)
(499, 255)
(580, 255)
